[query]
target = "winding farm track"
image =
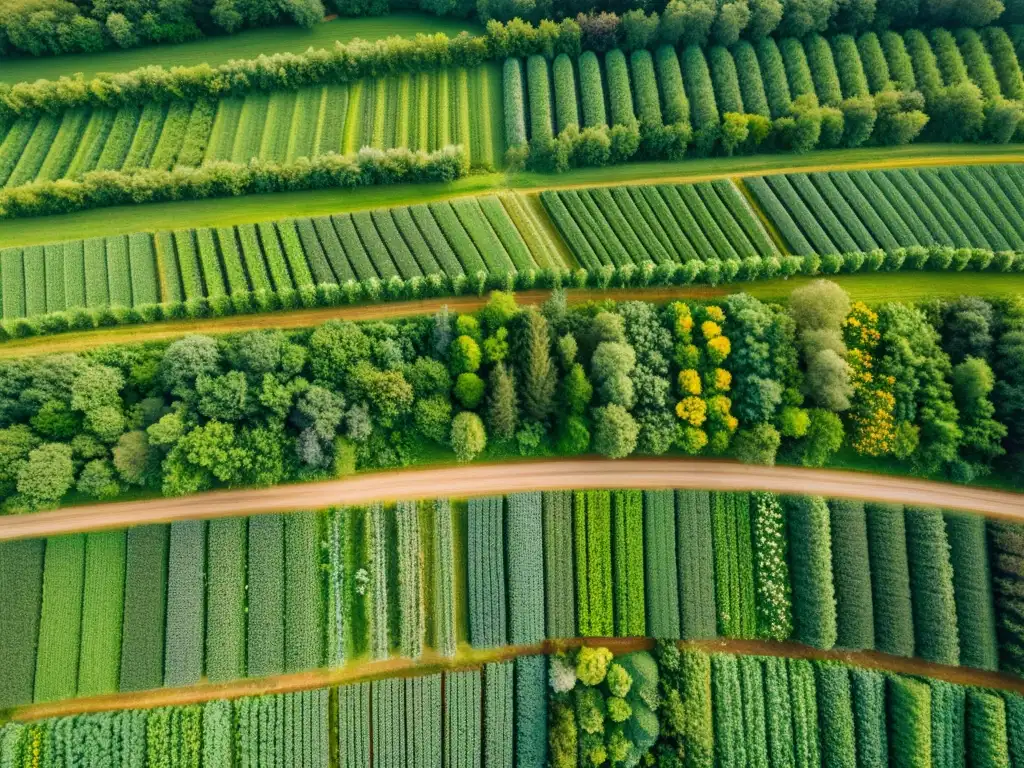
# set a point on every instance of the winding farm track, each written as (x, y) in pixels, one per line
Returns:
(518, 476)
(470, 658)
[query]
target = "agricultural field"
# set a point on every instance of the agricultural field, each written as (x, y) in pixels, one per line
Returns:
(766, 710)
(281, 263)
(660, 224)
(654, 104)
(844, 212)
(426, 111)
(285, 593)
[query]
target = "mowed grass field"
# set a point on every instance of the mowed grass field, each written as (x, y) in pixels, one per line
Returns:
(244, 45)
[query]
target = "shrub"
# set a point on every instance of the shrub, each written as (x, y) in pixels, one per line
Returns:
(972, 584)
(701, 95)
(565, 94)
(468, 436)
(539, 88)
(592, 91)
(910, 722)
(852, 78)
(620, 97)
(876, 69)
(823, 70)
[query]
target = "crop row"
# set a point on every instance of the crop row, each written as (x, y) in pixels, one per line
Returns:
(495, 235)
(636, 224)
(844, 212)
(411, 111)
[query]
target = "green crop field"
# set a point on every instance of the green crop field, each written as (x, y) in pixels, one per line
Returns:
(349, 584)
(633, 225)
(279, 262)
(739, 708)
(276, 127)
(840, 212)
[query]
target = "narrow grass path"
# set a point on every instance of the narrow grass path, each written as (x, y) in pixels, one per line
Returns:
(871, 288)
(251, 208)
(515, 476)
(471, 658)
(247, 44)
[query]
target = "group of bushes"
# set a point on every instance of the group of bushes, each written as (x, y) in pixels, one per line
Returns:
(601, 708)
(56, 26)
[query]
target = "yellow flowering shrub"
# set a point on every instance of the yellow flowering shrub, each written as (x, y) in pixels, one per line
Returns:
(714, 312)
(684, 319)
(692, 410)
(722, 380)
(871, 415)
(719, 349)
(710, 329)
(689, 382)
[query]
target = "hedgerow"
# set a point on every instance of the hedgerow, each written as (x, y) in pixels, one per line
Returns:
(592, 90)
(835, 708)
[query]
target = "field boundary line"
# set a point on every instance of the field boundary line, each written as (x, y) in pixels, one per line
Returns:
(513, 477)
(468, 658)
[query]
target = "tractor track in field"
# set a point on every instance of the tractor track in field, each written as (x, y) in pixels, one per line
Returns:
(518, 476)
(470, 658)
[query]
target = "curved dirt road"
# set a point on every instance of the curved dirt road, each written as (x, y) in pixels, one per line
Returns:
(473, 658)
(510, 477)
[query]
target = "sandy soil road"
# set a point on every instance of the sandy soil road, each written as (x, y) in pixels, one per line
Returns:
(510, 477)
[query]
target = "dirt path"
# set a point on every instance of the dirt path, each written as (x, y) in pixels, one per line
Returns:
(470, 658)
(305, 318)
(513, 477)
(865, 286)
